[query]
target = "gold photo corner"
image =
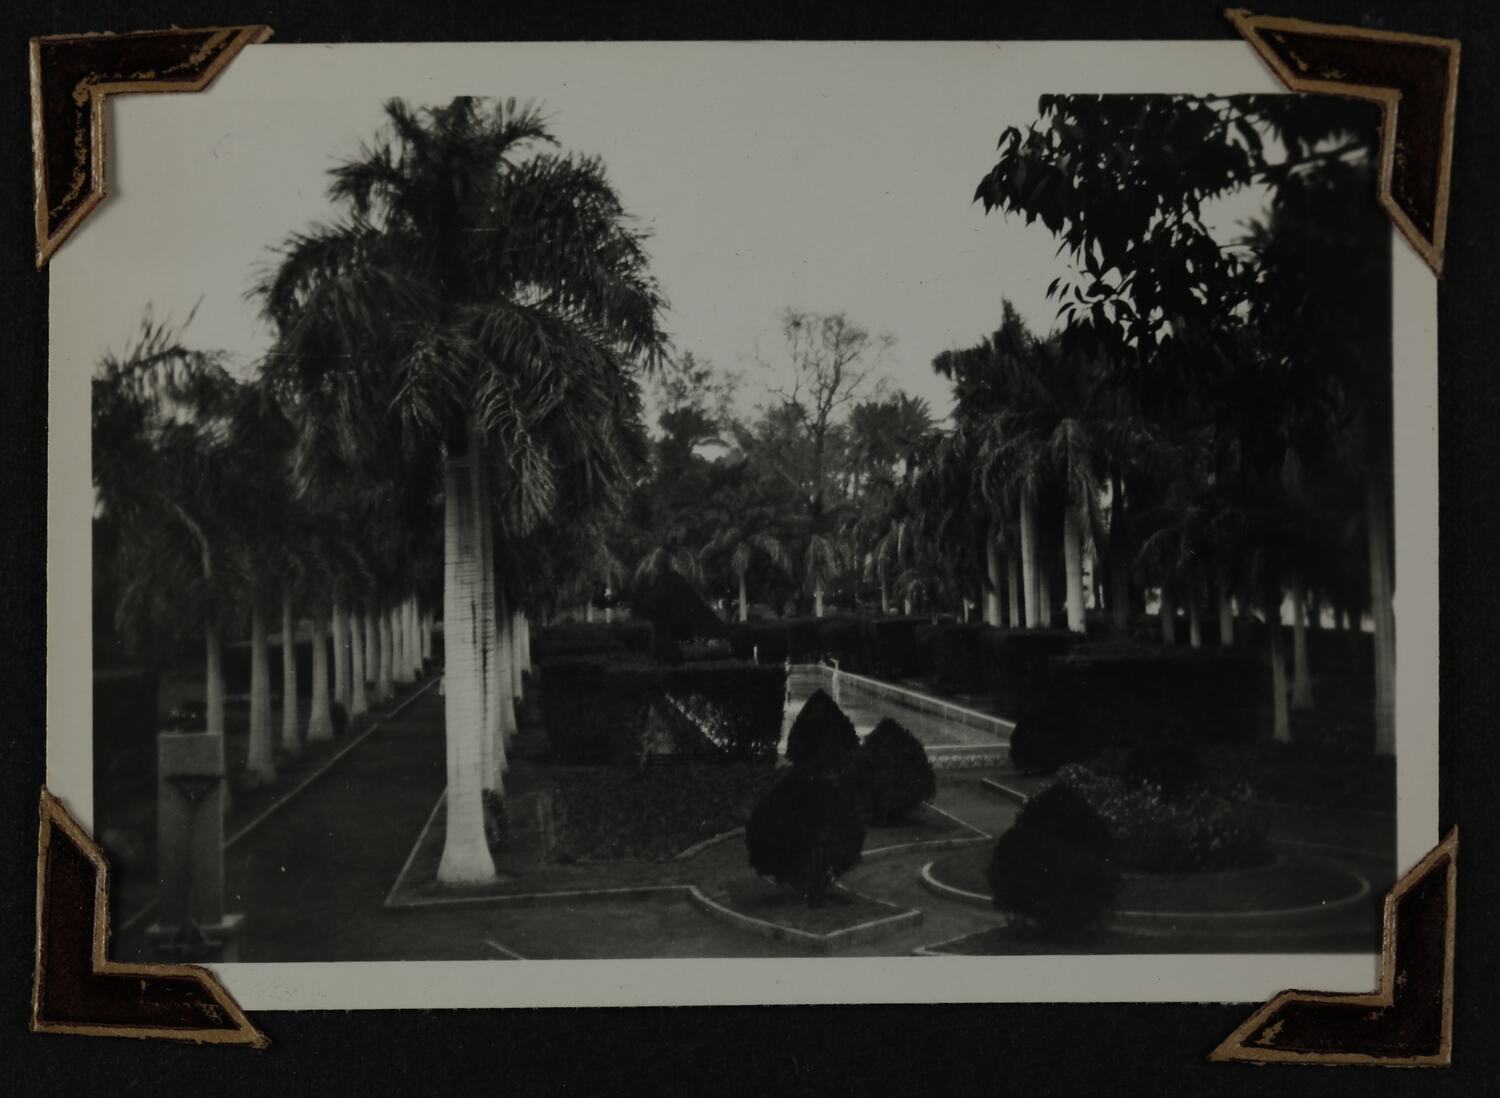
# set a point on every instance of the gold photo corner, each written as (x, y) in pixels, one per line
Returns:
(71, 78)
(1407, 1021)
(78, 990)
(1412, 78)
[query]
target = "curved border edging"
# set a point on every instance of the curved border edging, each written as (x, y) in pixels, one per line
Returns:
(868, 931)
(703, 844)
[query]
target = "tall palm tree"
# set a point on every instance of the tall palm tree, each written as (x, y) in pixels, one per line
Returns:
(483, 302)
(739, 546)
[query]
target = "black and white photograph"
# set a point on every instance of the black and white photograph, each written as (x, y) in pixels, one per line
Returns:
(764, 502)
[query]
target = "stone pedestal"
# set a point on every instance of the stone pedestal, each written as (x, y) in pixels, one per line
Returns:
(191, 923)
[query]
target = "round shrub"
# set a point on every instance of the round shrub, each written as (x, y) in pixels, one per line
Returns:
(889, 775)
(821, 735)
(1054, 870)
(1170, 764)
(804, 833)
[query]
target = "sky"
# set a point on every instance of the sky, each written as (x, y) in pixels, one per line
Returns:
(826, 176)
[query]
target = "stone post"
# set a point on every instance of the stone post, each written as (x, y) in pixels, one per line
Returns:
(191, 924)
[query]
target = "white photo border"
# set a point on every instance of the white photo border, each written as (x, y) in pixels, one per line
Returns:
(436, 71)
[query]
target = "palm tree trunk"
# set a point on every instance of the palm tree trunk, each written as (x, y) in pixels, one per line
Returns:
(400, 663)
(588, 610)
(1013, 591)
(359, 701)
(342, 691)
(385, 686)
(372, 649)
(885, 594)
(817, 598)
(1168, 613)
(1044, 594)
(1073, 564)
(1226, 610)
(505, 693)
(1195, 622)
(1281, 717)
(320, 721)
(427, 624)
(291, 725)
(260, 760)
(525, 642)
(493, 682)
(1382, 588)
(1119, 558)
(1302, 698)
(513, 657)
(744, 605)
(1029, 587)
(992, 577)
(413, 638)
(466, 854)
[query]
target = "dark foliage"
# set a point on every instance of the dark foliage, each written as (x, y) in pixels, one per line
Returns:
(598, 710)
(821, 735)
(1202, 830)
(339, 717)
(804, 833)
(958, 655)
(655, 813)
(559, 641)
(893, 647)
(1021, 663)
(1169, 763)
(1054, 870)
(889, 774)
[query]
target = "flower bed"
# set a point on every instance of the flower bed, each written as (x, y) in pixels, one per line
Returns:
(1202, 830)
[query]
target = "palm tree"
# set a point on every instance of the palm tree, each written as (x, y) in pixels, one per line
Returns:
(166, 482)
(482, 304)
(740, 546)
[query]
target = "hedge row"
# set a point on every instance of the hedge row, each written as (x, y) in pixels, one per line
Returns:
(881, 646)
(125, 727)
(1109, 695)
(559, 641)
(619, 709)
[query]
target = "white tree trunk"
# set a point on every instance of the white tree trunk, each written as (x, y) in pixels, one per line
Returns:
(505, 693)
(992, 576)
(885, 594)
(291, 724)
(1043, 593)
(1073, 566)
(744, 606)
(906, 605)
(1281, 717)
(343, 691)
(385, 684)
(1013, 591)
(1195, 623)
(359, 700)
(372, 649)
(261, 759)
(400, 660)
(493, 681)
(413, 637)
(320, 720)
(1302, 698)
(818, 599)
(513, 657)
(1382, 589)
(525, 641)
(1029, 587)
(466, 854)
(588, 610)
(1226, 612)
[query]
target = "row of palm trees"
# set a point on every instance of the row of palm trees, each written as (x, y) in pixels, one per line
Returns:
(451, 401)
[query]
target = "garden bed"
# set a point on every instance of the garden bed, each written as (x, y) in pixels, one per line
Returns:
(767, 901)
(1285, 884)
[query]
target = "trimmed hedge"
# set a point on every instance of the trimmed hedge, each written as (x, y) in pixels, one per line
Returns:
(1021, 662)
(1118, 695)
(559, 641)
(821, 735)
(598, 711)
(1054, 870)
(805, 833)
(125, 727)
(889, 774)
